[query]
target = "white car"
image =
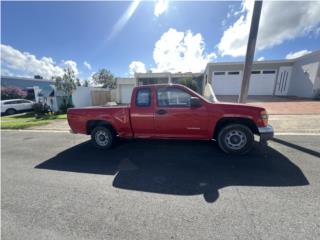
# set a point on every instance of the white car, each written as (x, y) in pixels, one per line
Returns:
(13, 106)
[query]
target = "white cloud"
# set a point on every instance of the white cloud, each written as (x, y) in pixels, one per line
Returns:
(280, 21)
(87, 65)
(260, 59)
(124, 19)
(160, 7)
(137, 67)
(181, 52)
(15, 62)
(6, 72)
(297, 54)
(26, 64)
(71, 64)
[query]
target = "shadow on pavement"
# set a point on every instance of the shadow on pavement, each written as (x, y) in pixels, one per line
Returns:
(297, 147)
(179, 167)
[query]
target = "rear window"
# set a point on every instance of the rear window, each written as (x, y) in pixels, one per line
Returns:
(143, 98)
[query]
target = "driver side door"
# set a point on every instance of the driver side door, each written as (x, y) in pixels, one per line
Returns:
(175, 118)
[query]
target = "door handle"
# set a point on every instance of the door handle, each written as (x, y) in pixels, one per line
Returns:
(161, 112)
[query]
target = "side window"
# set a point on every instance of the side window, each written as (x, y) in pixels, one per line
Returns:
(143, 98)
(10, 102)
(172, 97)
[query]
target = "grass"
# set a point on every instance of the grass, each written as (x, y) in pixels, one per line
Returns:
(25, 120)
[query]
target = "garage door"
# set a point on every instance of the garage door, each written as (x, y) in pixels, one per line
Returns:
(262, 82)
(229, 83)
(125, 93)
(226, 83)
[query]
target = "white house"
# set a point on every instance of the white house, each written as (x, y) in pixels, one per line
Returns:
(295, 77)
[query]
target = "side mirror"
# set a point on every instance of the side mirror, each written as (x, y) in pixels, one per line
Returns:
(195, 102)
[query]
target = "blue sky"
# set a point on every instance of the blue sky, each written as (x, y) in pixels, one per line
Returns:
(44, 37)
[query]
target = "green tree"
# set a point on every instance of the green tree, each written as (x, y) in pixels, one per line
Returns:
(38, 77)
(66, 84)
(105, 78)
(190, 83)
(78, 82)
(86, 83)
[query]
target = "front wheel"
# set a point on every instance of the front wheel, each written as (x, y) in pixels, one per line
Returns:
(11, 111)
(235, 139)
(102, 137)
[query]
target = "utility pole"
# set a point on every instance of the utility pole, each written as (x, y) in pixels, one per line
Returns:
(250, 51)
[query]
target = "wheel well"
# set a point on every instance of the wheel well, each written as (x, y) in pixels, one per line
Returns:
(234, 120)
(11, 109)
(91, 124)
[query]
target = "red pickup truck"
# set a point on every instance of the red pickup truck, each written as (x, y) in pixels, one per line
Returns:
(173, 111)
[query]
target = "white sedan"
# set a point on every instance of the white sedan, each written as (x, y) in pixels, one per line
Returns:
(14, 106)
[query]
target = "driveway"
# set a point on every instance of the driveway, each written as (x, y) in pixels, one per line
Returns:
(56, 186)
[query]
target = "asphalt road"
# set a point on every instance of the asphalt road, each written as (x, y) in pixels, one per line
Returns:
(56, 186)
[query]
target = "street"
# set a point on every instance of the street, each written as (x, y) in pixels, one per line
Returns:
(55, 185)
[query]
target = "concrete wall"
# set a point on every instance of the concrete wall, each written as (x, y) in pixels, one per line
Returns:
(305, 80)
(82, 97)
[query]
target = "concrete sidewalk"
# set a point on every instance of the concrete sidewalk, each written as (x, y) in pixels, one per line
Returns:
(295, 123)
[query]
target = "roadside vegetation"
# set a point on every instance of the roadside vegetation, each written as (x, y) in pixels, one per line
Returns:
(25, 120)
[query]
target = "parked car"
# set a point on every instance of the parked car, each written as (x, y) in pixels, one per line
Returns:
(14, 106)
(173, 111)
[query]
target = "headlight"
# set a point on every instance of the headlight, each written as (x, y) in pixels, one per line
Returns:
(264, 117)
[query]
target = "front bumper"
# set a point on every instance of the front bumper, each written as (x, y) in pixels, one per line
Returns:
(265, 133)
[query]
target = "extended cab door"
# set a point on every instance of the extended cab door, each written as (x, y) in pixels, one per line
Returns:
(142, 112)
(175, 118)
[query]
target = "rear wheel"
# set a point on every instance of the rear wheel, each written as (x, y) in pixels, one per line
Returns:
(102, 137)
(235, 139)
(11, 111)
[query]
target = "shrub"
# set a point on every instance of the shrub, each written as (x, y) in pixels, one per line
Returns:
(64, 107)
(12, 93)
(40, 109)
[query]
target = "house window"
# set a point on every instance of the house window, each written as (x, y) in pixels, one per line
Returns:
(269, 72)
(219, 73)
(255, 72)
(233, 73)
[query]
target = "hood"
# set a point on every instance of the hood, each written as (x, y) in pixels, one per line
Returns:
(225, 108)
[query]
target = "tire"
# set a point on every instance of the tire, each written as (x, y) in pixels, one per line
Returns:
(235, 139)
(11, 111)
(102, 137)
